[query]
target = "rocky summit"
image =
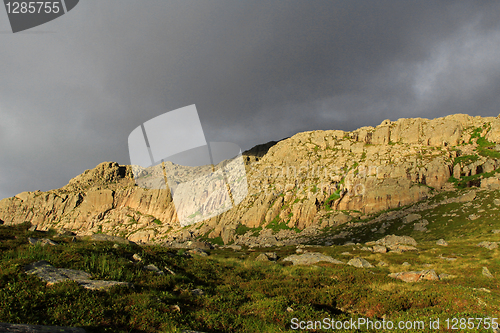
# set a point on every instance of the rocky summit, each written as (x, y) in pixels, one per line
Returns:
(296, 187)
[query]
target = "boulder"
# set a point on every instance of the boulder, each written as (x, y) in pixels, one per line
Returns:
(310, 258)
(411, 217)
(198, 252)
(52, 275)
(42, 242)
(359, 262)
(25, 328)
(267, 256)
(488, 245)
(153, 268)
(416, 276)
(486, 272)
(441, 242)
(393, 240)
(467, 197)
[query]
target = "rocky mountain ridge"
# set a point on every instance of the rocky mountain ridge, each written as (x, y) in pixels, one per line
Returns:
(296, 186)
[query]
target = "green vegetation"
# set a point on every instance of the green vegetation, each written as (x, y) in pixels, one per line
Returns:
(243, 229)
(465, 159)
(276, 225)
(158, 222)
(334, 196)
(244, 295)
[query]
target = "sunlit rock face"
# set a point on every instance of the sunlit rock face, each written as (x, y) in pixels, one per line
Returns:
(303, 181)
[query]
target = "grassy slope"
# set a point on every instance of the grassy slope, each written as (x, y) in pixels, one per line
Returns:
(242, 295)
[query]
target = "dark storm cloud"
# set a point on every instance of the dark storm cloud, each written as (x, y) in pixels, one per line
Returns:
(256, 70)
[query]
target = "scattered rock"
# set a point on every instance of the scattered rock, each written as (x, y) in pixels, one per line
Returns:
(311, 258)
(202, 245)
(43, 241)
(442, 242)
(486, 272)
(234, 247)
(289, 309)
(359, 262)
(176, 308)
(368, 249)
(51, 275)
(32, 228)
(406, 264)
(473, 217)
(416, 276)
(468, 197)
(382, 264)
(24, 328)
(197, 292)
(169, 270)
(267, 256)
(392, 240)
(402, 248)
(496, 231)
(411, 217)
(299, 251)
(198, 252)
(421, 226)
(346, 253)
(488, 245)
(153, 268)
(136, 257)
(262, 257)
(496, 202)
(379, 249)
(116, 246)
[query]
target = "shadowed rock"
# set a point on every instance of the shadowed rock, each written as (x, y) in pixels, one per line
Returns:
(24, 328)
(52, 275)
(43, 241)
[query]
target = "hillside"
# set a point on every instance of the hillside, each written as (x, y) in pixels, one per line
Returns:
(299, 188)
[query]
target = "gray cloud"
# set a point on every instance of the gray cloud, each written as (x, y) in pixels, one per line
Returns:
(73, 89)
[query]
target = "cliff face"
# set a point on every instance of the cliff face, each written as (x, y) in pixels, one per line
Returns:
(299, 182)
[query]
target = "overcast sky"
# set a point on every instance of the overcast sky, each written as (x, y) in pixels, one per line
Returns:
(73, 89)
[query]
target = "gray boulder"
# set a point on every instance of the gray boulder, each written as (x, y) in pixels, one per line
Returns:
(359, 262)
(488, 245)
(442, 242)
(52, 275)
(43, 241)
(486, 272)
(392, 240)
(25, 328)
(310, 258)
